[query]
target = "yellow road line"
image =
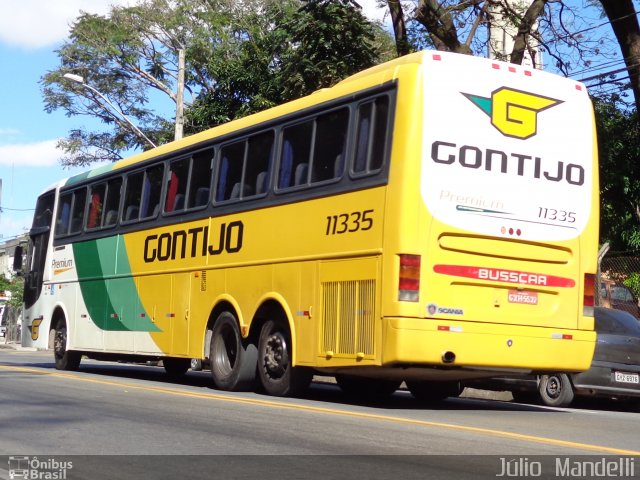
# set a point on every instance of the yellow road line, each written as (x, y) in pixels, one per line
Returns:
(329, 411)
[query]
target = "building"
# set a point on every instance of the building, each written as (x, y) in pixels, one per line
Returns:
(503, 30)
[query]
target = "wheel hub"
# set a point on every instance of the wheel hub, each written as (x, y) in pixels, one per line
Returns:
(275, 355)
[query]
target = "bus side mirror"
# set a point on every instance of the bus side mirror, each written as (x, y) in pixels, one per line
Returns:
(17, 259)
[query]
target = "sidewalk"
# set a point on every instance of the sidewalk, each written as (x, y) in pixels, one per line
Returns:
(16, 346)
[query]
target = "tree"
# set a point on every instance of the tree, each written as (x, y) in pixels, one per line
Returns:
(15, 287)
(624, 22)
(558, 27)
(619, 151)
(241, 56)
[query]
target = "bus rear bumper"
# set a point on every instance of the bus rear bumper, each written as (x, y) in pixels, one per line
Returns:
(475, 345)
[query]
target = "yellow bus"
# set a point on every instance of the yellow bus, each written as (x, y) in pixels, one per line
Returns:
(429, 220)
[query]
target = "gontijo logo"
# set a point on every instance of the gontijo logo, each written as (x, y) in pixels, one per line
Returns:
(513, 112)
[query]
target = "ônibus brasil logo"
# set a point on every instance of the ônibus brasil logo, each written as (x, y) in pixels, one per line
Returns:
(513, 112)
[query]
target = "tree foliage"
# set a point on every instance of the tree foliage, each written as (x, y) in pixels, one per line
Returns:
(241, 56)
(619, 152)
(15, 287)
(570, 38)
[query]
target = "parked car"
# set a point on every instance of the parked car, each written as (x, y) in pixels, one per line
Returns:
(617, 295)
(614, 372)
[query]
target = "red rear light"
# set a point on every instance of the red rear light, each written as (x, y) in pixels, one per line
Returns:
(589, 289)
(409, 283)
(589, 294)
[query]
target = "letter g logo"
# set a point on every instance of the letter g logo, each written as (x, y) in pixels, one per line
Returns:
(513, 112)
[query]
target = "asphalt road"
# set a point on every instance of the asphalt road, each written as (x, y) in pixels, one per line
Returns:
(151, 423)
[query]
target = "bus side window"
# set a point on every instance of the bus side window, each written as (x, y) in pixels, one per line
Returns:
(294, 161)
(112, 202)
(230, 173)
(200, 180)
(371, 134)
(77, 212)
(258, 165)
(329, 145)
(94, 218)
(64, 214)
(132, 196)
(152, 191)
(177, 188)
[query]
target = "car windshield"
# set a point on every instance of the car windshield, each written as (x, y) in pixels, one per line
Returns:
(622, 294)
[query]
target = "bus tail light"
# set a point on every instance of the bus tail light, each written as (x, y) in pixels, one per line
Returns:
(409, 284)
(589, 294)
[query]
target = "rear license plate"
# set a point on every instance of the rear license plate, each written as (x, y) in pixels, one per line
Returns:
(626, 377)
(528, 298)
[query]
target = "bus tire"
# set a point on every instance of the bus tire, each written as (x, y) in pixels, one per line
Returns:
(363, 388)
(277, 376)
(432, 392)
(176, 367)
(556, 390)
(65, 359)
(233, 360)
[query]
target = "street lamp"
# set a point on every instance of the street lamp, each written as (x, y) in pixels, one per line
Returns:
(80, 80)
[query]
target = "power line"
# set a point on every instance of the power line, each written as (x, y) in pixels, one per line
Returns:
(608, 22)
(606, 74)
(2, 209)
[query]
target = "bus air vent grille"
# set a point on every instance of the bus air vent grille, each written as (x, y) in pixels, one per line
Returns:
(348, 317)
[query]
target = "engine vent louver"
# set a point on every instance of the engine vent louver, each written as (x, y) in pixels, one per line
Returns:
(348, 317)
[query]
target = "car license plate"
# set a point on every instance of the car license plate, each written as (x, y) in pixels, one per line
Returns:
(626, 377)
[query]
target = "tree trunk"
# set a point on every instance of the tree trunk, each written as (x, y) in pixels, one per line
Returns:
(440, 26)
(399, 27)
(524, 30)
(624, 21)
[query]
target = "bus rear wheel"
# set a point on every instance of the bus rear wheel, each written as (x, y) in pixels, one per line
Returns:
(277, 376)
(65, 359)
(233, 360)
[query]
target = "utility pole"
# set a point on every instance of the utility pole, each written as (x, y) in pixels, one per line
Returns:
(180, 96)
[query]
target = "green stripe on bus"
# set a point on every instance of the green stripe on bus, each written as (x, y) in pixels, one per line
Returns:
(107, 287)
(89, 174)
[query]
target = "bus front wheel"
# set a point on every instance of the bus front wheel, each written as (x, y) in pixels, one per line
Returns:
(233, 360)
(65, 359)
(277, 376)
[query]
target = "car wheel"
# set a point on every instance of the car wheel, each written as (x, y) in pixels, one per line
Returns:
(556, 390)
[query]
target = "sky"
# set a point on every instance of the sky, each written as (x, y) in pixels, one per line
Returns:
(30, 32)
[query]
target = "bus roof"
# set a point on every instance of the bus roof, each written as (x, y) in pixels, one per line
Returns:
(383, 72)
